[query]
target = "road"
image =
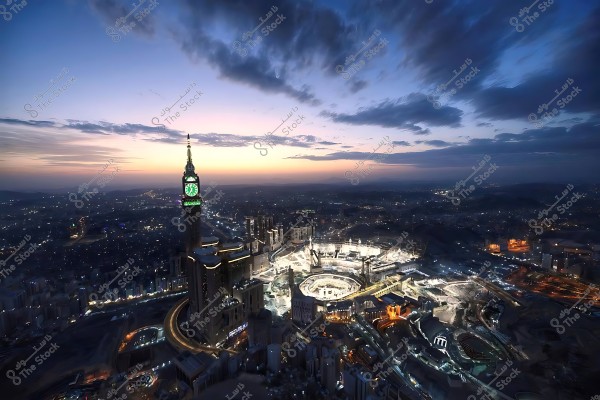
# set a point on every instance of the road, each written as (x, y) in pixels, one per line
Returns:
(178, 339)
(372, 337)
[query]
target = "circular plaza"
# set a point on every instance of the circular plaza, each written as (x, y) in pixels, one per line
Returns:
(329, 287)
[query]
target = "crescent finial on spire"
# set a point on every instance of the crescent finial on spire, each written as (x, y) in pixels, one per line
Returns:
(189, 166)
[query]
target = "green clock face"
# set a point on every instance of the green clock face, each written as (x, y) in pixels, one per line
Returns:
(191, 189)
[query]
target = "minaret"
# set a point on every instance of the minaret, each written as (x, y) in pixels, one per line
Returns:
(291, 281)
(191, 202)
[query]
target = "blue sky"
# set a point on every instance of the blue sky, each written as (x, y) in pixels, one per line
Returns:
(107, 100)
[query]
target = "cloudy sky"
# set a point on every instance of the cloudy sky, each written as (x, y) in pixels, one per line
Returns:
(288, 91)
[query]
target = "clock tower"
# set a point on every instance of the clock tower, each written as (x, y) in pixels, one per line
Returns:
(191, 201)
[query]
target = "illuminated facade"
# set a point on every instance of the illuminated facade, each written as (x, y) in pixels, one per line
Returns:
(512, 245)
(517, 245)
(220, 289)
(191, 202)
(262, 238)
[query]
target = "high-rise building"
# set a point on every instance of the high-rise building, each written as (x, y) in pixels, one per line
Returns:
(177, 262)
(299, 234)
(356, 382)
(329, 374)
(196, 371)
(262, 235)
(547, 261)
(250, 293)
(274, 357)
(191, 203)
(259, 328)
(219, 284)
(304, 308)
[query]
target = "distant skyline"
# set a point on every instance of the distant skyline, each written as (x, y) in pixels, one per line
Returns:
(112, 91)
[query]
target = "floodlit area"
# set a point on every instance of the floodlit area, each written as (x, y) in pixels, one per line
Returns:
(397, 255)
(299, 261)
(338, 261)
(329, 286)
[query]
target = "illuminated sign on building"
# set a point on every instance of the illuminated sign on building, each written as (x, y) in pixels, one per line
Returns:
(192, 203)
(440, 341)
(237, 330)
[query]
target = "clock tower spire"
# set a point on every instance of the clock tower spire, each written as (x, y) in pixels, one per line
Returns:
(189, 168)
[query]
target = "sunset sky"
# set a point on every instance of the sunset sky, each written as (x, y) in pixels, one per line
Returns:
(103, 94)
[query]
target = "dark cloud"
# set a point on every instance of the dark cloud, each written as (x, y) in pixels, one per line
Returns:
(54, 150)
(550, 150)
(308, 138)
(402, 114)
(255, 71)
(357, 85)
(431, 39)
(230, 140)
(577, 56)
(434, 143)
(326, 143)
(42, 124)
(110, 10)
(401, 143)
(107, 128)
(169, 136)
(437, 38)
(310, 34)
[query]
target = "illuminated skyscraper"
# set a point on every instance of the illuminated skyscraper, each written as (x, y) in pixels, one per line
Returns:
(191, 202)
(221, 292)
